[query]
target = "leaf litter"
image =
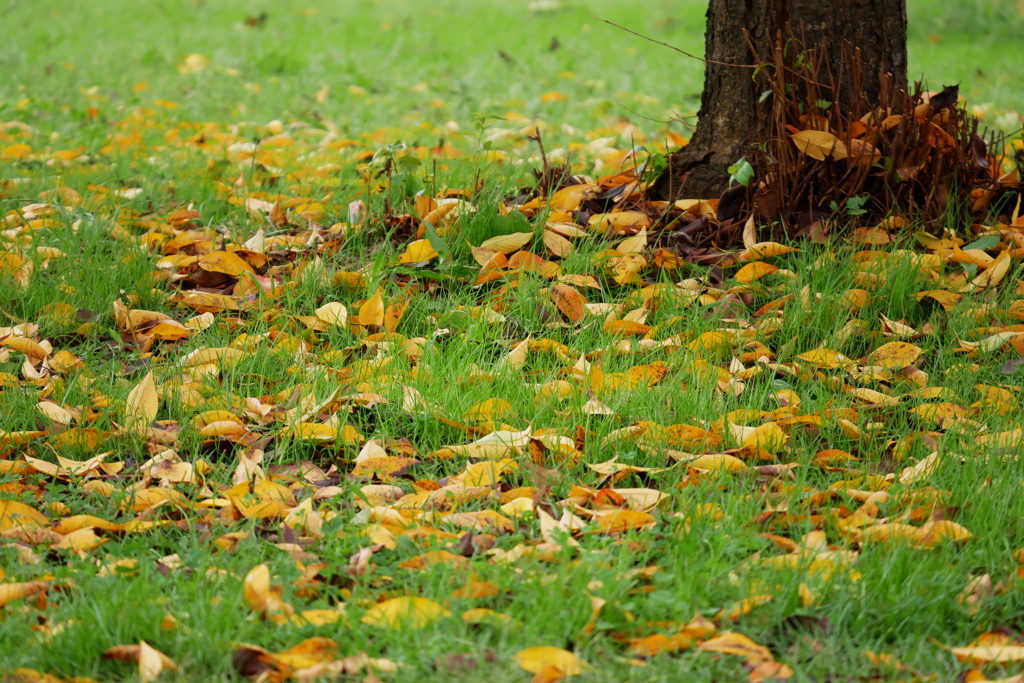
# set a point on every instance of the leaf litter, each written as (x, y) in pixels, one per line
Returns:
(176, 446)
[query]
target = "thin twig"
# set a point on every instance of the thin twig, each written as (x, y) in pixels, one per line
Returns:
(673, 47)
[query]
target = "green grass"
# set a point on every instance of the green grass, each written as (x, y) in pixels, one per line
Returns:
(399, 71)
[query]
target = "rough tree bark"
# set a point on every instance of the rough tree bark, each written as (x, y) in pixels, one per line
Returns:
(732, 118)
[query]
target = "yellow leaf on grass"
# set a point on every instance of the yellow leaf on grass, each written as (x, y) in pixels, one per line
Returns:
(482, 615)
(482, 520)
(826, 358)
(146, 656)
(333, 313)
(224, 356)
(15, 591)
(141, 405)
(55, 413)
(648, 646)
(770, 671)
(491, 409)
(150, 662)
(30, 348)
(938, 533)
(618, 521)
(404, 612)
(225, 262)
(516, 358)
(948, 300)
(533, 659)
(922, 469)
(372, 310)
(322, 617)
(717, 461)
(754, 270)
(999, 653)
(819, 144)
(310, 653)
(81, 541)
(991, 276)
(763, 250)
(206, 302)
(256, 586)
(895, 355)
(508, 244)
(621, 222)
(558, 245)
(768, 436)
(742, 607)
(418, 252)
(14, 514)
(432, 558)
(738, 644)
(635, 244)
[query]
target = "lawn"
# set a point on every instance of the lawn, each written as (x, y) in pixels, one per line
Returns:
(283, 364)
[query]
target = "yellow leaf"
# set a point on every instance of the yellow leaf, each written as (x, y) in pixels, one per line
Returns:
(24, 345)
(621, 222)
(507, 244)
(15, 591)
(225, 262)
(558, 245)
(80, 541)
(827, 358)
(224, 356)
(482, 520)
(738, 644)
(768, 436)
(205, 302)
(754, 270)
(141, 405)
(14, 514)
(150, 664)
(618, 521)
(193, 63)
(533, 659)
(1001, 654)
(482, 615)
(516, 358)
(991, 276)
(372, 311)
(333, 313)
(393, 314)
(404, 612)
(742, 607)
(937, 533)
(635, 244)
(55, 412)
(763, 250)
(321, 617)
(819, 144)
(895, 355)
(418, 252)
(491, 409)
(155, 661)
(717, 461)
(306, 655)
(256, 586)
(921, 470)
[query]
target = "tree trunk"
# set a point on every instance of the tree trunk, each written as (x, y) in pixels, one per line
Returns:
(733, 114)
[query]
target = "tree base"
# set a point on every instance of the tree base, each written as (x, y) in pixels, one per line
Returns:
(693, 173)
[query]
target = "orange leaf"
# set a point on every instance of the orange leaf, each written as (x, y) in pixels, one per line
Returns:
(569, 301)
